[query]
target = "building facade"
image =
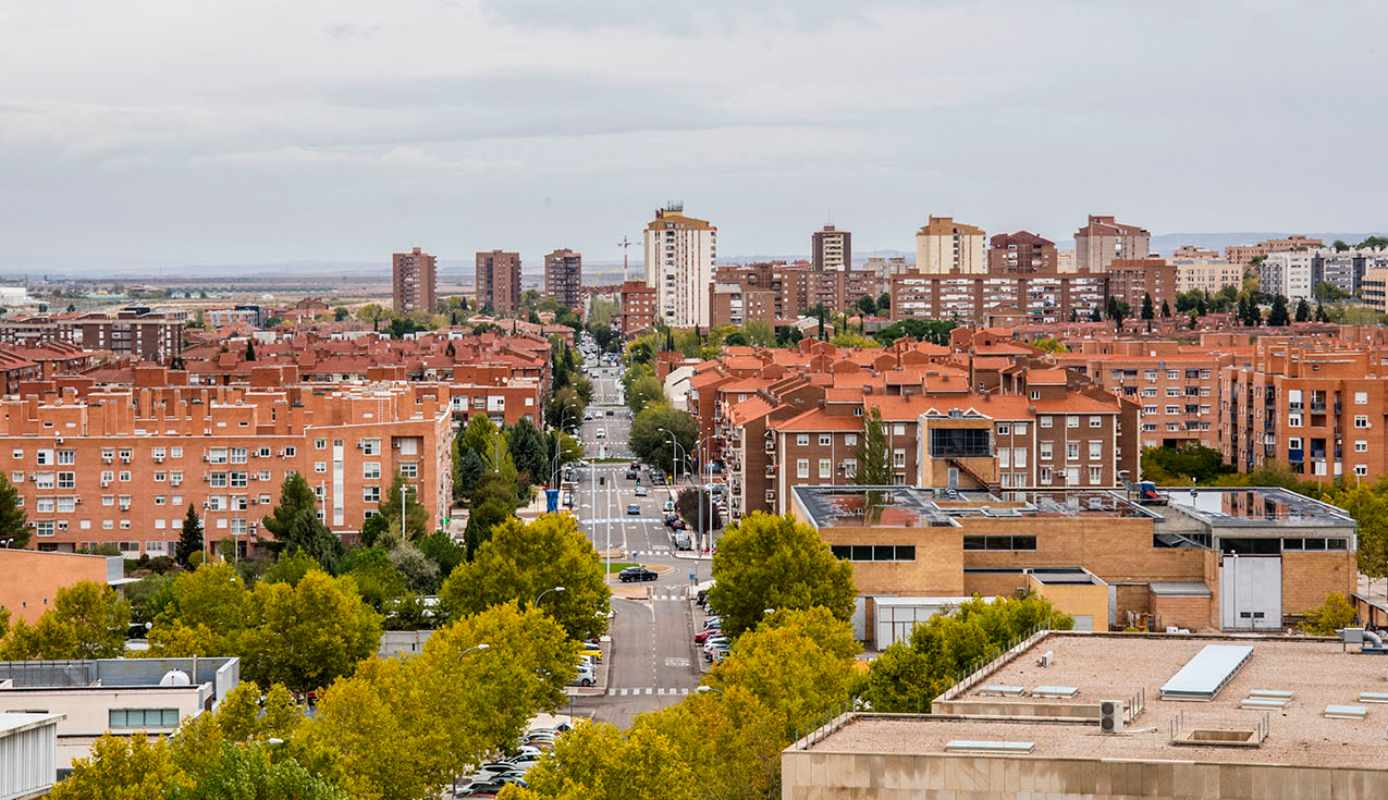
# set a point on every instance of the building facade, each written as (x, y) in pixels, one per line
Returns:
(499, 281)
(985, 299)
(1129, 281)
(831, 249)
(946, 247)
(1245, 254)
(141, 333)
(1021, 253)
(1104, 239)
(564, 277)
(1207, 276)
(638, 304)
(414, 282)
(1287, 273)
(679, 252)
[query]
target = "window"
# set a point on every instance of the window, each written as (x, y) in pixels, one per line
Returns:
(264, 452)
(1150, 375)
(67, 457)
(850, 439)
(128, 718)
(44, 457)
(239, 455)
(67, 480)
(175, 452)
(1361, 421)
(1095, 475)
(899, 429)
(409, 470)
(1004, 457)
(1149, 409)
(1072, 476)
(1019, 457)
(1361, 446)
(1035, 394)
(159, 499)
(1045, 475)
(1361, 398)
(874, 552)
(1096, 450)
(217, 480)
(370, 470)
(158, 453)
(318, 444)
(1047, 450)
(371, 447)
(1004, 429)
(17, 454)
(238, 480)
(899, 459)
(1173, 374)
(770, 495)
(1072, 421)
(959, 443)
(1072, 451)
(1045, 422)
(1294, 420)
(217, 455)
(176, 477)
(1361, 470)
(44, 527)
(16, 477)
(290, 452)
(371, 494)
(320, 466)
(802, 439)
(826, 439)
(43, 480)
(999, 542)
(1173, 391)
(160, 477)
(44, 505)
(850, 467)
(826, 468)
(802, 468)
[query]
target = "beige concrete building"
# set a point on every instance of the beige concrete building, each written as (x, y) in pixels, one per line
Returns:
(679, 252)
(1209, 276)
(831, 249)
(946, 247)
(116, 695)
(1293, 718)
(1103, 240)
(1374, 289)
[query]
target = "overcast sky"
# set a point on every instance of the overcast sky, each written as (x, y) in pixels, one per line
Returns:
(157, 133)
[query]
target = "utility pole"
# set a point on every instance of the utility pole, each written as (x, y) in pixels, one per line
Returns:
(625, 244)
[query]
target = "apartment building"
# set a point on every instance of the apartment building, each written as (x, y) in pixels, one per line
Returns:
(1207, 276)
(1177, 391)
(638, 304)
(1104, 239)
(831, 249)
(1286, 273)
(414, 282)
(1190, 254)
(1320, 412)
(1021, 253)
(496, 392)
(1245, 254)
(564, 277)
(122, 466)
(498, 281)
(982, 299)
(1373, 289)
(679, 253)
(119, 696)
(946, 247)
(1130, 280)
(887, 267)
(136, 332)
(33, 579)
(1345, 269)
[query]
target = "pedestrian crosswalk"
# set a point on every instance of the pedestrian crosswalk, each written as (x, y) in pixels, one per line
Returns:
(673, 598)
(654, 551)
(648, 690)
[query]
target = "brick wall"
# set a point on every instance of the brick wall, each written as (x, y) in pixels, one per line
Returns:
(1183, 612)
(1308, 577)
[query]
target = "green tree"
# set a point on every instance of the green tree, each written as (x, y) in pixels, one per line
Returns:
(1165, 310)
(122, 768)
(527, 446)
(446, 554)
(479, 434)
(88, 620)
(14, 524)
(520, 562)
(190, 538)
(759, 333)
(374, 314)
(649, 441)
(341, 313)
(874, 457)
(306, 636)
(644, 390)
(1332, 615)
(687, 503)
(467, 472)
(565, 409)
(1148, 310)
(290, 568)
(1303, 310)
(1278, 317)
(378, 580)
(147, 598)
(296, 525)
(735, 339)
(765, 562)
(250, 350)
(421, 574)
(1321, 316)
(416, 515)
(867, 305)
(1050, 344)
(494, 503)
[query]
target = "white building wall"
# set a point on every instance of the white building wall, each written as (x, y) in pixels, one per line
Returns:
(28, 754)
(680, 267)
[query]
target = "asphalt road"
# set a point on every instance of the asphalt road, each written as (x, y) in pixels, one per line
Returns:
(653, 661)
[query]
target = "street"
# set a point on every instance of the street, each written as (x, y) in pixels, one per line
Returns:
(654, 662)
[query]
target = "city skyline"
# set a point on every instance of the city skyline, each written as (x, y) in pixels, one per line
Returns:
(348, 135)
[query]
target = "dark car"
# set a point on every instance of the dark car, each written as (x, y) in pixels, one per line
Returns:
(483, 789)
(635, 574)
(631, 475)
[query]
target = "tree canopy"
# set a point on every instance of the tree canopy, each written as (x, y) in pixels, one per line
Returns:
(296, 525)
(766, 561)
(14, 523)
(87, 620)
(652, 445)
(520, 562)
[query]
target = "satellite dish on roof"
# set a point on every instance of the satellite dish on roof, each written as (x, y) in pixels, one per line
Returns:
(175, 677)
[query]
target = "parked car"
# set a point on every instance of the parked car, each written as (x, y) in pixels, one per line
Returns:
(633, 509)
(641, 491)
(704, 635)
(601, 433)
(594, 653)
(482, 789)
(636, 574)
(678, 524)
(683, 541)
(669, 506)
(713, 622)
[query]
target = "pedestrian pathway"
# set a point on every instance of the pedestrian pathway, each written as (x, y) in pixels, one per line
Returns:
(670, 692)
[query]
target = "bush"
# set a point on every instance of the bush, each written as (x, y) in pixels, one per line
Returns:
(1335, 613)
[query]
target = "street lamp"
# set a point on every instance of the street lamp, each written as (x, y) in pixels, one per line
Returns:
(545, 592)
(675, 449)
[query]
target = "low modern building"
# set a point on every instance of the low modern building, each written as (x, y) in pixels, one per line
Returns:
(121, 696)
(1216, 559)
(28, 754)
(33, 578)
(1108, 716)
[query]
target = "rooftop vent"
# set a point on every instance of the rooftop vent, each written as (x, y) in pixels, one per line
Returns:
(988, 747)
(1204, 675)
(1055, 692)
(1346, 712)
(175, 677)
(1373, 697)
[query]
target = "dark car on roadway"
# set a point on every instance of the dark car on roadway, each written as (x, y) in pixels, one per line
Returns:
(635, 574)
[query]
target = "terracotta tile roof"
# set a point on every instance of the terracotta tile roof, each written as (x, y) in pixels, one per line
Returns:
(816, 420)
(1047, 377)
(747, 385)
(708, 378)
(748, 410)
(1076, 403)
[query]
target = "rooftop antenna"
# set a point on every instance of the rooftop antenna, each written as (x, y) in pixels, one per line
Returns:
(625, 243)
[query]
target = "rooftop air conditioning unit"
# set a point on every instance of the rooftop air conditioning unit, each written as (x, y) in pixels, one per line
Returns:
(1111, 716)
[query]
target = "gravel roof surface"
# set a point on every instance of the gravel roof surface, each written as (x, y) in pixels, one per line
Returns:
(1112, 667)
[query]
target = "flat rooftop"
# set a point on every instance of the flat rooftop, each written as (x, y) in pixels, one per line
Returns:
(107, 672)
(1118, 666)
(1255, 507)
(914, 507)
